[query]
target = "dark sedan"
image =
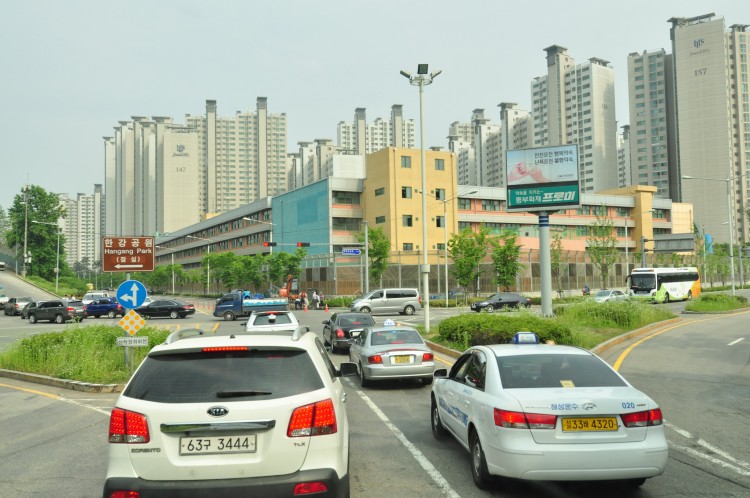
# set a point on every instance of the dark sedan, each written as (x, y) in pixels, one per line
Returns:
(337, 330)
(501, 300)
(166, 308)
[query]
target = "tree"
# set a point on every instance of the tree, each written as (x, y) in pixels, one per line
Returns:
(557, 264)
(43, 207)
(467, 249)
(4, 227)
(378, 251)
(602, 243)
(505, 259)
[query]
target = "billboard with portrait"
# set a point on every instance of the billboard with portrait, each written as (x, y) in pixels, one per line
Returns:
(542, 178)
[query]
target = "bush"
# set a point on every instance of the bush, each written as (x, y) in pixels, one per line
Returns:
(623, 315)
(717, 302)
(482, 328)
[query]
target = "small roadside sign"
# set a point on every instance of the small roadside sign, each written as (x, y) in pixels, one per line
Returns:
(132, 322)
(132, 341)
(351, 251)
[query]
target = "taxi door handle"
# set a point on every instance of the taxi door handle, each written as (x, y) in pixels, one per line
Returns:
(343, 398)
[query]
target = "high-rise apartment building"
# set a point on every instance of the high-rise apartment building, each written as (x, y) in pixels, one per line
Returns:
(82, 227)
(624, 178)
(362, 138)
(712, 119)
(651, 124)
(575, 104)
(243, 158)
(151, 177)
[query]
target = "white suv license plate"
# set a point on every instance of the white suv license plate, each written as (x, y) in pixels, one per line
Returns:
(216, 445)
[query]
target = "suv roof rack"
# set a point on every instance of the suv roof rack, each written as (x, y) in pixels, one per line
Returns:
(183, 334)
(296, 333)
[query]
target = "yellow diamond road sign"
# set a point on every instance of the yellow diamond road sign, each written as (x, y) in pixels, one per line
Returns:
(132, 322)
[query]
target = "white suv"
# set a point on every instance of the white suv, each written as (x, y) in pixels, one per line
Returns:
(248, 413)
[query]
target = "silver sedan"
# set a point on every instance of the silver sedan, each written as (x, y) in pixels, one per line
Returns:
(391, 352)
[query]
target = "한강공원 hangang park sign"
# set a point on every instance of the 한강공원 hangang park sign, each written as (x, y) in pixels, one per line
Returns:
(542, 179)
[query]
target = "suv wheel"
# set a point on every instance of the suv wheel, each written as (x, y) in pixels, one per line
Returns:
(365, 309)
(59, 319)
(32, 318)
(111, 314)
(173, 314)
(409, 310)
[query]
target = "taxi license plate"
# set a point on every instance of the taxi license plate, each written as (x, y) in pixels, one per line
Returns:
(582, 424)
(215, 445)
(402, 359)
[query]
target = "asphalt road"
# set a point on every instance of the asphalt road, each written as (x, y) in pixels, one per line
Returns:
(53, 441)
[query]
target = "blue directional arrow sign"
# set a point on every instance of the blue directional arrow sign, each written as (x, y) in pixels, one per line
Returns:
(131, 294)
(351, 251)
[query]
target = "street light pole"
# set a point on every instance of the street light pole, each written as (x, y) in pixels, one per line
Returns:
(421, 80)
(208, 262)
(270, 233)
(57, 261)
(25, 229)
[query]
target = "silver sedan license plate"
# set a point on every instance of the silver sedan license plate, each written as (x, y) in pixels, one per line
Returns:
(217, 445)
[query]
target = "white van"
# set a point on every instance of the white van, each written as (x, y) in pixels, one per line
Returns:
(404, 301)
(92, 296)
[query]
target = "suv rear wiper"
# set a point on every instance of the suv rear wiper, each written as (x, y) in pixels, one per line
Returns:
(239, 394)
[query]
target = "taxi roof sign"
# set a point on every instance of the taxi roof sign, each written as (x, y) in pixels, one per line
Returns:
(525, 338)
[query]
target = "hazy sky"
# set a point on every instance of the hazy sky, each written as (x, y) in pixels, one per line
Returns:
(70, 70)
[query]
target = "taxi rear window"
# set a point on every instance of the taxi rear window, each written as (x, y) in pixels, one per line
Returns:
(546, 371)
(199, 376)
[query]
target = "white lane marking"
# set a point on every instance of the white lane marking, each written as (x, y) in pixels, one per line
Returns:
(436, 476)
(735, 342)
(711, 448)
(84, 405)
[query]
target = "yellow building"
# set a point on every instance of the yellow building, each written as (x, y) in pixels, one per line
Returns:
(393, 199)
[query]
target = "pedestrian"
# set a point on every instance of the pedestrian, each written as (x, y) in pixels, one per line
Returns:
(316, 300)
(65, 297)
(303, 297)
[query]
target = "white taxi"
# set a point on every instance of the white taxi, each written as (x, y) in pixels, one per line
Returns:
(547, 412)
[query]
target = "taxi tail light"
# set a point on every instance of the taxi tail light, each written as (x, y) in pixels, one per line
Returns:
(128, 427)
(521, 420)
(643, 419)
(340, 333)
(309, 488)
(376, 358)
(428, 357)
(315, 419)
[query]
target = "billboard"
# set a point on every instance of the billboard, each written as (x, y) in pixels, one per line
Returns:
(542, 179)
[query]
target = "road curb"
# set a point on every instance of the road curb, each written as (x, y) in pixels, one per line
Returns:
(600, 348)
(73, 385)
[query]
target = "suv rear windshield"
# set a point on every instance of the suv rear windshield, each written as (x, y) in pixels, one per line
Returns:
(271, 319)
(555, 370)
(240, 375)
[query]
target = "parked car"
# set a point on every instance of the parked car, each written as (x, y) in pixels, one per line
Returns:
(3, 299)
(15, 304)
(405, 301)
(261, 415)
(31, 305)
(501, 300)
(391, 352)
(271, 321)
(606, 295)
(107, 306)
(166, 308)
(560, 411)
(337, 329)
(58, 311)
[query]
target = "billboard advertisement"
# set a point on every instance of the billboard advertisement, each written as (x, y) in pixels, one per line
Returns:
(542, 179)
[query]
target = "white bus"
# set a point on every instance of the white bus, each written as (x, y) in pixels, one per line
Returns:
(665, 284)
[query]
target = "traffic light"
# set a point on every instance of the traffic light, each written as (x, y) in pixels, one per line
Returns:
(269, 244)
(303, 244)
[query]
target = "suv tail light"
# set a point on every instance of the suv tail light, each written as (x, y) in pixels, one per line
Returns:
(521, 420)
(316, 419)
(128, 427)
(308, 488)
(70, 309)
(124, 494)
(642, 419)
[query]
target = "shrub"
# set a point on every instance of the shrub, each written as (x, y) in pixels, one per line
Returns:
(482, 328)
(623, 315)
